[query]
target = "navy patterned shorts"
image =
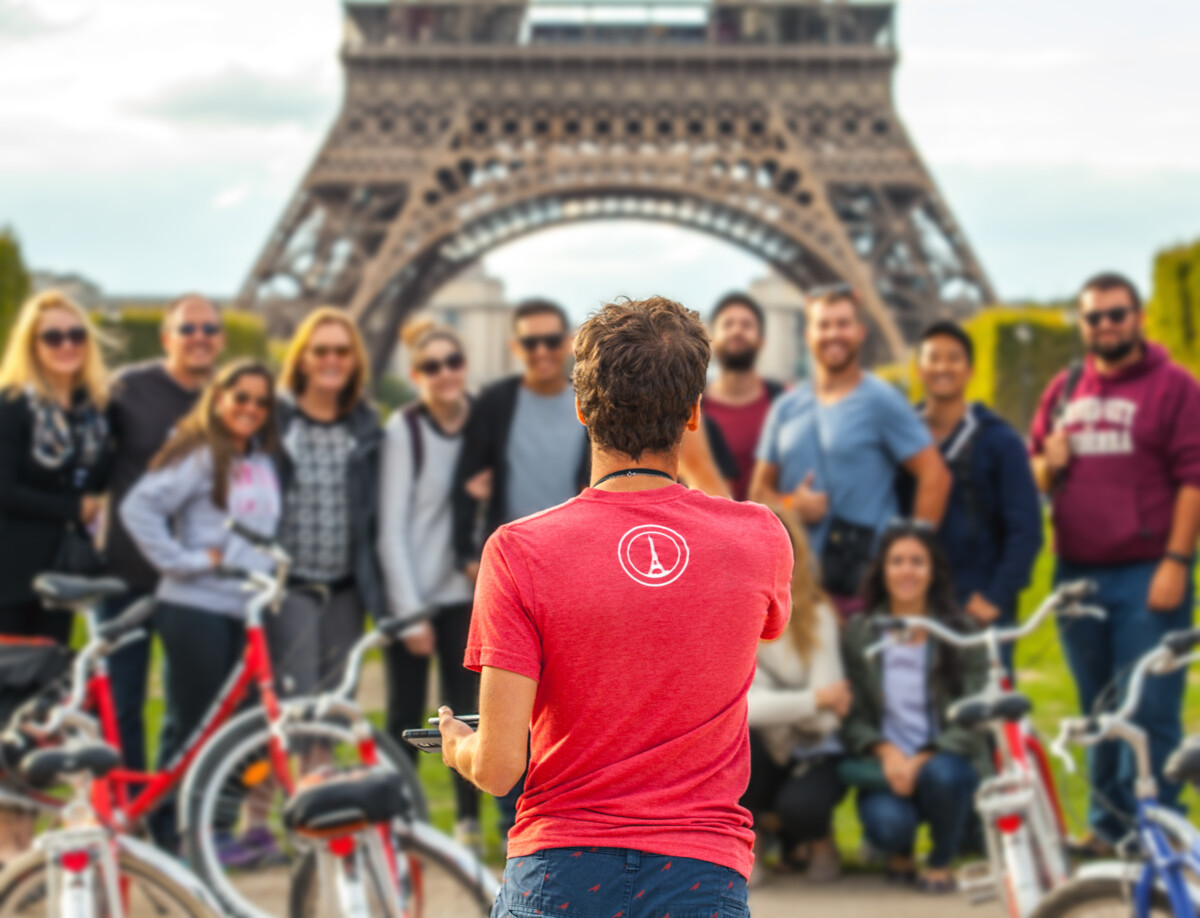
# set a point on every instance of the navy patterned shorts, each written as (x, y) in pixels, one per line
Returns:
(618, 883)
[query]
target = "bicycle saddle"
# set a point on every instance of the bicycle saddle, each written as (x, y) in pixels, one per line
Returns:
(44, 767)
(69, 590)
(1184, 763)
(976, 710)
(346, 804)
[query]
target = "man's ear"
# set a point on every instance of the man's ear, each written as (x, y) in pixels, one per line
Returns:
(693, 421)
(579, 413)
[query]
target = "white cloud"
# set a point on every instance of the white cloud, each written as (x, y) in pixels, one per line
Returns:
(230, 197)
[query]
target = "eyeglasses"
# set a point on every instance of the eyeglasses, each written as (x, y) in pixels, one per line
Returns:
(1116, 315)
(550, 342)
(433, 367)
(321, 351)
(242, 399)
(207, 329)
(57, 337)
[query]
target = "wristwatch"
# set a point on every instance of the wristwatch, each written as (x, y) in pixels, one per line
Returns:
(1180, 558)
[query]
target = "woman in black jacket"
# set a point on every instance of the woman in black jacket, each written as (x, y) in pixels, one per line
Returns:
(55, 453)
(54, 462)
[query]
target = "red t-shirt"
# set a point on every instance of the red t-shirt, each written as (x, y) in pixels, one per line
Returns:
(741, 426)
(639, 615)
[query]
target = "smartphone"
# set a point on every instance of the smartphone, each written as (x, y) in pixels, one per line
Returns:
(431, 740)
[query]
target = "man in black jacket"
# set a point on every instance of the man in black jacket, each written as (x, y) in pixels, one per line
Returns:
(524, 449)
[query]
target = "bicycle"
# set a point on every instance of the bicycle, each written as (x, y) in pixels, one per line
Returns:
(251, 764)
(1164, 842)
(366, 853)
(1019, 806)
(88, 868)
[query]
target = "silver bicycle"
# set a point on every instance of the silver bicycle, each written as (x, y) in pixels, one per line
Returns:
(366, 853)
(1019, 805)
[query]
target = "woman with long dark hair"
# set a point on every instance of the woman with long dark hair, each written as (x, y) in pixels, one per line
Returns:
(908, 765)
(216, 465)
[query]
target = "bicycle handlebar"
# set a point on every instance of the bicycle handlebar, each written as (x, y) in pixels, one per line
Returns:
(1065, 601)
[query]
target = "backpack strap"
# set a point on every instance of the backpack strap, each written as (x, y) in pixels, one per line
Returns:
(958, 457)
(1074, 374)
(412, 417)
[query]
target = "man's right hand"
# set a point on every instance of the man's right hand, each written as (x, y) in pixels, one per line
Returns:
(421, 641)
(89, 508)
(836, 697)
(1056, 452)
(811, 505)
(479, 485)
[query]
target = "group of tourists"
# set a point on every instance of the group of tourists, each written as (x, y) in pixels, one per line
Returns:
(437, 516)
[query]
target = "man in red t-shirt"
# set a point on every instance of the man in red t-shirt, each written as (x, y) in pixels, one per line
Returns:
(738, 399)
(619, 630)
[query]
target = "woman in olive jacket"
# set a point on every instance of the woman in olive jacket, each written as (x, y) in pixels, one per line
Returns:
(908, 764)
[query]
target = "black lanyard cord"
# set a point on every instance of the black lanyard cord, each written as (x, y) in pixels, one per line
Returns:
(629, 473)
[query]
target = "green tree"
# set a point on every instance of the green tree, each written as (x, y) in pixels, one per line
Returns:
(14, 282)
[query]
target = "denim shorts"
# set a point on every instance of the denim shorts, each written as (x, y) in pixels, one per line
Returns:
(618, 883)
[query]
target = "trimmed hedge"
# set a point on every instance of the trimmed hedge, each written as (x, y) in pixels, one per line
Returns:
(134, 331)
(14, 282)
(1173, 311)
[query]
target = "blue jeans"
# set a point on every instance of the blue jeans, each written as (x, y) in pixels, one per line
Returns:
(603, 882)
(1101, 655)
(943, 798)
(128, 670)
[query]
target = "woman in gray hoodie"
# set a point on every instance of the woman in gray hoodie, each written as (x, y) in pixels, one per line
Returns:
(215, 466)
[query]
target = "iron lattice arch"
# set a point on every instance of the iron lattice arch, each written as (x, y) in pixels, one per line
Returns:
(447, 147)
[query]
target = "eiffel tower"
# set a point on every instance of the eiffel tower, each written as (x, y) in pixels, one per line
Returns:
(468, 123)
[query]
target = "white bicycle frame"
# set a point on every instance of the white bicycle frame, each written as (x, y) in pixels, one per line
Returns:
(1025, 846)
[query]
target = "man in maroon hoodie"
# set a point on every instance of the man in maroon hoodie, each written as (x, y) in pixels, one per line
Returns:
(1116, 444)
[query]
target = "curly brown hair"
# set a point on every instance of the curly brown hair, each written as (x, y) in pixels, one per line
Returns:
(639, 369)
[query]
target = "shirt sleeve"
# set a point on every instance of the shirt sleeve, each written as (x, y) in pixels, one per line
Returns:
(395, 502)
(904, 433)
(149, 508)
(1183, 447)
(504, 633)
(768, 440)
(779, 608)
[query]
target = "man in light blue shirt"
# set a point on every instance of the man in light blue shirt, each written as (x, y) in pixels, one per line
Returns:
(831, 448)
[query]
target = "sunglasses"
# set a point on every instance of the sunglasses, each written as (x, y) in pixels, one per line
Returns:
(321, 351)
(550, 342)
(433, 367)
(57, 337)
(207, 329)
(1116, 315)
(242, 399)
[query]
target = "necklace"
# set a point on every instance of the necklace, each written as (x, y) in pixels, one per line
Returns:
(629, 473)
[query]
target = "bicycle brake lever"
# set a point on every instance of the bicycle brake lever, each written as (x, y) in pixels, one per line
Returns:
(1059, 747)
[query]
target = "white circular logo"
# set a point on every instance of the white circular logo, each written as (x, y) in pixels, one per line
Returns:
(653, 555)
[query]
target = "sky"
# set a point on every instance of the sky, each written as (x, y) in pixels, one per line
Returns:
(152, 145)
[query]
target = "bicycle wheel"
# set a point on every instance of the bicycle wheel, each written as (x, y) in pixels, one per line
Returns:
(1022, 879)
(433, 883)
(24, 892)
(232, 808)
(1098, 897)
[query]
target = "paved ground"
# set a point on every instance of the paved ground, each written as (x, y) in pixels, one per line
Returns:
(857, 896)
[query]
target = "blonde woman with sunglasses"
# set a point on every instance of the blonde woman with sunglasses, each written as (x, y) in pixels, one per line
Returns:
(54, 463)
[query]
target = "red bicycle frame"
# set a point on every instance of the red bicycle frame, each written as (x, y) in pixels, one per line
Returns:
(124, 796)
(1027, 752)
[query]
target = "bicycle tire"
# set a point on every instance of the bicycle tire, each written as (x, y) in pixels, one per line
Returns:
(447, 891)
(245, 739)
(23, 890)
(1098, 897)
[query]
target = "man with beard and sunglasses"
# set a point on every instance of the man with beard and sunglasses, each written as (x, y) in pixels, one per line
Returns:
(737, 401)
(1116, 446)
(524, 449)
(831, 449)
